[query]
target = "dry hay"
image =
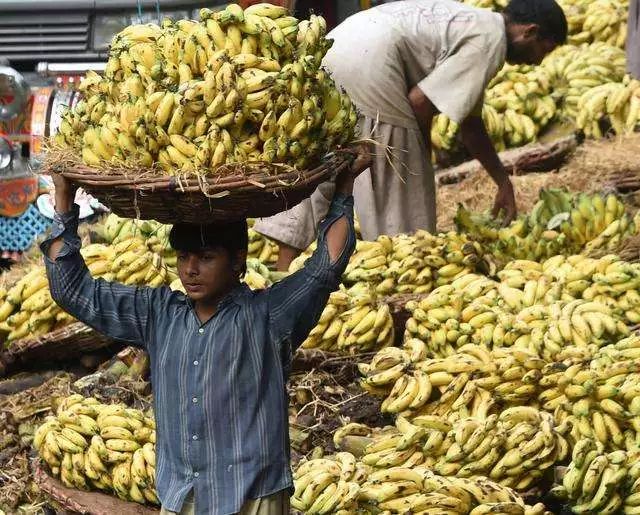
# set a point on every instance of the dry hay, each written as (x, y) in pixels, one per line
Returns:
(20, 414)
(321, 401)
(593, 167)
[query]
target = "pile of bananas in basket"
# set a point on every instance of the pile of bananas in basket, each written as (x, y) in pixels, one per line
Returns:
(237, 86)
(93, 446)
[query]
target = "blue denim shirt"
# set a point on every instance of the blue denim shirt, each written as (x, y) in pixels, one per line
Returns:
(219, 387)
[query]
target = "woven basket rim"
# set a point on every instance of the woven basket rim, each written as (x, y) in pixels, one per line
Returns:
(250, 176)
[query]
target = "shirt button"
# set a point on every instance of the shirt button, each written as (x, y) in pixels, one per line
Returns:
(201, 330)
(196, 474)
(195, 437)
(196, 362)
(194, 400)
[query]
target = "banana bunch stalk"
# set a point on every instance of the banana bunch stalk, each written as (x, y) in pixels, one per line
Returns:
(352, 321)
(261, 247)
(90, 446)
(237, 86)
(595, 481)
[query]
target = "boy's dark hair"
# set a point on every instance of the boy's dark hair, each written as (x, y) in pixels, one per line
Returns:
(547, 14)
(231, 236)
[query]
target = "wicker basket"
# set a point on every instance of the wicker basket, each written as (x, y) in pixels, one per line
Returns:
(64, 343)
(247, 190)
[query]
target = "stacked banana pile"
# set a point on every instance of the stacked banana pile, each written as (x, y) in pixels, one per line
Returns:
(599, 20)
(471, 383)
(237, 86)
(27, 309)
(598, 482)
(615, 104)
(261, 247)
(353, 321)
(598, 395)
(513, 448)
(527, 310)
(132, 263)
(575, 70)
(89, 445)
(343, 485)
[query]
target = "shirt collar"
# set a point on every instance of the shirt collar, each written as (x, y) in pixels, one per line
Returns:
(233, 296)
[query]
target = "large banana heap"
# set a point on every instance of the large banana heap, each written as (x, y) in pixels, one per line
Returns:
(575, 70)
(528, 310)
(559, 223)
(513, 448)
(353, 321)
(599, 20)
(89, 445)
(340, 484)
(598, 397)
(600, 482)
(616, 103)
(236, 86)
(471, 383)
(261, 247)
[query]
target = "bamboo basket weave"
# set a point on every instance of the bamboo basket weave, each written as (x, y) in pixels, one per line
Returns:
(64, 343)
(235, 191)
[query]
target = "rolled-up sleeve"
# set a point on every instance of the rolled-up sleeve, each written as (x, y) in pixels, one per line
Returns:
(295, 303)
(118, 311)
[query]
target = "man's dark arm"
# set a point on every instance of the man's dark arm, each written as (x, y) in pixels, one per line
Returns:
(477, 141)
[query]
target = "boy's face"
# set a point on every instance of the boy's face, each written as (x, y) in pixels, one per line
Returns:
(207, 274)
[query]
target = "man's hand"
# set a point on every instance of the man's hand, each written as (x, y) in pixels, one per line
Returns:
(65, 193)
(505, 202)
(363, 160)
(479, 145)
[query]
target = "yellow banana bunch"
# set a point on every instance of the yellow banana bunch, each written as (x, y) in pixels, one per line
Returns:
(93, 446)
(257, 276)
(234, 87)
(352, 321)
(512, 449)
